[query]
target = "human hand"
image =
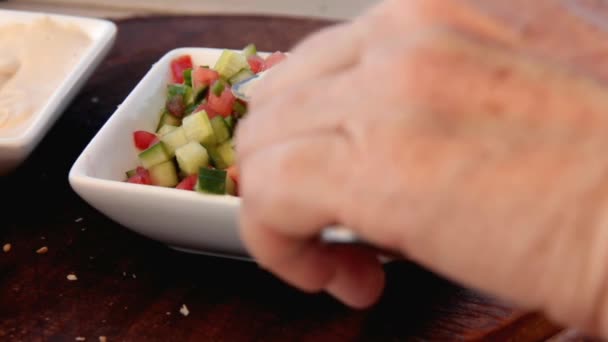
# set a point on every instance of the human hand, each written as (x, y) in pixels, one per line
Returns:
(436, 129)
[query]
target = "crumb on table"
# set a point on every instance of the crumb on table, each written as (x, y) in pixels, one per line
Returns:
(184, 310)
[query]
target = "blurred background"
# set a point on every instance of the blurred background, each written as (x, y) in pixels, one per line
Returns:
(331, 9)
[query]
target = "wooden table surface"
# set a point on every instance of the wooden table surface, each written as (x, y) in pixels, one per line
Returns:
(131, 289)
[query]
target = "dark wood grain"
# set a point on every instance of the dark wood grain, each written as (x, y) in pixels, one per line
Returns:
(130, 288)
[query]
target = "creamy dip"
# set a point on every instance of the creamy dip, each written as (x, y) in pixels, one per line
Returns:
(35, 58)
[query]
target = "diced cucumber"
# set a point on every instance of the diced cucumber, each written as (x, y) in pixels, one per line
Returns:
(174, 140)
(229, 63)
(131, 173)
(218, 87)
(198, 128)
(250, 50)
(194, 106)
(154, 155)
(180, 89)
(221, 129)
(223, 155)
(164, 174)
(211, 181)
(191, 157)
(241, 76)
(191, 108)
(231, 122)
(199, 94)
(167, 119)
(188, 77)
(239, 109)
(165, 129)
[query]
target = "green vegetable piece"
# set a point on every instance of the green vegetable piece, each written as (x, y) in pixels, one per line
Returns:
(188, 77)
(191, 157)
(198, 128)
(167, 119)
(211, 181)
(229, 63)
(154, 155)
(220, 129)
(241, 76)
(223, 155)
(218, 87)
(131, 173)
(174, 140)
(165, 129)
(239, 109)
(231, 122)
(164, 174)
(250, 50)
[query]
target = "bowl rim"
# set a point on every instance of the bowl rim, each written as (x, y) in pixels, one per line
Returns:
(50, 111)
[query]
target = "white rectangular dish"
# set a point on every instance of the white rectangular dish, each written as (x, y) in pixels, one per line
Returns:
(16, 147)
(184, 220)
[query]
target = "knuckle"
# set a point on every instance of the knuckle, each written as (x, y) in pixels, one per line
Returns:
(422, 11)
(422, 66)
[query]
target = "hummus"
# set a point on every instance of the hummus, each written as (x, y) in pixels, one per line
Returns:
(35, 59)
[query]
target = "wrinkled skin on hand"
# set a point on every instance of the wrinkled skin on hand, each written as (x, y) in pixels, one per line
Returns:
(468, 136)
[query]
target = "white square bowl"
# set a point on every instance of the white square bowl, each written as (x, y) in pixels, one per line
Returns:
(14, 149)
(184, 220)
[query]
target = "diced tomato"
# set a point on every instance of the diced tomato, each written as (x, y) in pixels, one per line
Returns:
(210, 112)
(233, 173)
(222, 104)
(144, 139)
(142, 176)
(256, 63)
(188, 183)
(178, 66)
(202, 77)
(136, 180)
(274, 59)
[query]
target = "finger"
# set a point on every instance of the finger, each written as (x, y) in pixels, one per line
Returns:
(281, 221)
(354, 276)
(301, 262)
(302, 110)
(296, 185)
(327, 52)
(288, 196)
(359, 277)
